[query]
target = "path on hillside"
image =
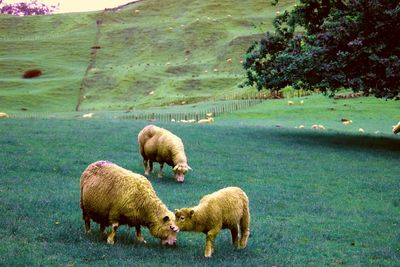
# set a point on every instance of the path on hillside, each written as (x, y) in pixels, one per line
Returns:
(95, 47)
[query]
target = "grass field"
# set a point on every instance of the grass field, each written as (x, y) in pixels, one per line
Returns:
(317, 198)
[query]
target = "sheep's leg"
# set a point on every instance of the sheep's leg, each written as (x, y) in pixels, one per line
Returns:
(139, 236)
(245, 227)
(110, 238)
(87, 224)
(146, 171)
(235, 236)
(160, 170)
(151, 166)
(211, 235)
(102, 229)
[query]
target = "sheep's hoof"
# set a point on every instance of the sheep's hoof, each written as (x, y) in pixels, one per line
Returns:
(141, 240)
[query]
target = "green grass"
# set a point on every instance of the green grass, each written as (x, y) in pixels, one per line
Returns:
(375, 116)
(139, 53)
(316, 198)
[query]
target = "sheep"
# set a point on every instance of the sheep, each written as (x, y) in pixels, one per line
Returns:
(227, 208)
(88, 115)
(290, 103)
(4, 115)
(346, 121)
(396, 128)
(162, 146)
(208, 120)
(112, 195)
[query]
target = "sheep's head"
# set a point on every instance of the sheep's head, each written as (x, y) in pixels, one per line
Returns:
(184, 219)
(180, 170)
(165, 229)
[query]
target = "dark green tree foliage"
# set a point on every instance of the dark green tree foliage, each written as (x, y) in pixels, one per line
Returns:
(339, 43)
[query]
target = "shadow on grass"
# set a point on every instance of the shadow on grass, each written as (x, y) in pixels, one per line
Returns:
(345, 141)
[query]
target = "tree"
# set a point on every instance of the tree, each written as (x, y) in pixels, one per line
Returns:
(342, 44)
(26, 8)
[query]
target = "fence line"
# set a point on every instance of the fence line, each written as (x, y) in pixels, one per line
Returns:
(225, 104)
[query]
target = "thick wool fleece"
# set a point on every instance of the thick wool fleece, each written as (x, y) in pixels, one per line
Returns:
(160, 145)
(227, 208)
(111, 195)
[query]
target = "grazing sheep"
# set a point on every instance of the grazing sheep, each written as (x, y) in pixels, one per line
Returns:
(227, 208)
(208, 120)
(4, 115)
(290, 103)
(88, 115)
(162, 146)
(111, 195)
(396, 128)
(361, 130)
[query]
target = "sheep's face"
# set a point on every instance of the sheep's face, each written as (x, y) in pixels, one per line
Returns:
(180, 170)
(184, 219)
(166, 230)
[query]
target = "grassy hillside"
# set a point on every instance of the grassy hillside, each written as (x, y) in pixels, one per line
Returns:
(150, 53)
(317, 198)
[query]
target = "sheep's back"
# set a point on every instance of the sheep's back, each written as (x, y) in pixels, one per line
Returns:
(159, 144)
(228, 204)
(108, 188)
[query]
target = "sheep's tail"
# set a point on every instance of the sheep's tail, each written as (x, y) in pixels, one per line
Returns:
(245, 224)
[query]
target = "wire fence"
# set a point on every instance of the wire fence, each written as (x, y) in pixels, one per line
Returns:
(189, 112)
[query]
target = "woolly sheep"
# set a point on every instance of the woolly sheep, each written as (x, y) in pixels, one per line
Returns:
(208, 120)
(290, 103)
(111, 195)
(3, 115)
(88, 115)
(227, 208)
(396, 128)
(162, 146)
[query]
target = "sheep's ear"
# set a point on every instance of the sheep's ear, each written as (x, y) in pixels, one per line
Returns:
(176, 211)
(166, 219)
(189, 168)
(176, 167)
(191, 213)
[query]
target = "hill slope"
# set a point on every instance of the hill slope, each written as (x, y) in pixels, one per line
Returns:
(150, 53)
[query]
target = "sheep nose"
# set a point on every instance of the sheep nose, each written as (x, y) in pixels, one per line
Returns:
(174, 229)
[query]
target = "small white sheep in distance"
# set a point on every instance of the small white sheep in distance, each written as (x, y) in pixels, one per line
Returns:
(290, 103)
(160, 145)
(208, 120)
(227, 208)
(88, 115)
(4, 115)
(111, 195)
(396, 128)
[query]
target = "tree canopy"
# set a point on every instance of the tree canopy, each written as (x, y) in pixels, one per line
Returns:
(327, 45)
(26, 8)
